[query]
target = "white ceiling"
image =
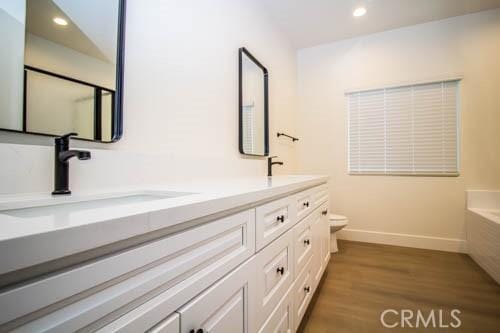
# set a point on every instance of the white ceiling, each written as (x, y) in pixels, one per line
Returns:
(312, 22)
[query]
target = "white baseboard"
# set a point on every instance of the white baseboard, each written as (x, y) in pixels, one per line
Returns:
(416, 241)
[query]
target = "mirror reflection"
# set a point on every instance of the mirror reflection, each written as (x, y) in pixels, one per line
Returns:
(253, 106)
(62, 67)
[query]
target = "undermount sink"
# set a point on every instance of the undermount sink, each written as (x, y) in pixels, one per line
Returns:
(37, 207)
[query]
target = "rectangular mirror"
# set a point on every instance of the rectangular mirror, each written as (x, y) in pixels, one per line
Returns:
(61, 68)
(253, 106)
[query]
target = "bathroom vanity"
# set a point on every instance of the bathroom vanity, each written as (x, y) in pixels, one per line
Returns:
(234, 256)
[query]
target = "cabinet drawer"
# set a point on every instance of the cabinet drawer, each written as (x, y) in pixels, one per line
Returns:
(169, 325)
(225, 306)
(176, 267)
(274, 269)
(320, 195)
(304, 203)
(302, 293)
(303, 244)
(273, 219)
(281, 319)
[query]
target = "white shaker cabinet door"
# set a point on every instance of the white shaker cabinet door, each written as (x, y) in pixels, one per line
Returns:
(281, 319)
(274, 274)
(317, 262)
(325, 236)
(227, 306)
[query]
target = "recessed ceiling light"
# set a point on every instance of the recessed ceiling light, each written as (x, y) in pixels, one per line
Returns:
(360, 11)
(60, 21)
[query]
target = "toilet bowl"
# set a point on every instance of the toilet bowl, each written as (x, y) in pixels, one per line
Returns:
(337, 222)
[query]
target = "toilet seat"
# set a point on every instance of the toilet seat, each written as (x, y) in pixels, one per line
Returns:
(338, 220)
(338, 223)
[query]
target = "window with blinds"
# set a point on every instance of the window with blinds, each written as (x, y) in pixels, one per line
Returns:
(408, 130)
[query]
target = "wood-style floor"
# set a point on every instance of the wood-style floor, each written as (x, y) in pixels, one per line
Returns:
(364, 279)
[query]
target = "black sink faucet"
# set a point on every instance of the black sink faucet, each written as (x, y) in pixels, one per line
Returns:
(270, 164)
(61, 163)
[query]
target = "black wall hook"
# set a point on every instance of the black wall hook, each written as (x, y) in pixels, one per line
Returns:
(288, 136)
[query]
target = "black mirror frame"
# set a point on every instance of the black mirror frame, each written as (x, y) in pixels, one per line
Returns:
(242, 51)
(117, 122)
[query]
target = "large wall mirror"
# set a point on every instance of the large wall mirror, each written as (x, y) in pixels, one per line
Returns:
(61, 67)
(253, 106)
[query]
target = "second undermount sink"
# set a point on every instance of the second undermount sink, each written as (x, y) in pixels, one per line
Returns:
(37, 207)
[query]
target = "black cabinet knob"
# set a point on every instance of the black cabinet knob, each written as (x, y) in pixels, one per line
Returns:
(306, 204)
(324, 212)
(307, 241)
(280, 218)
(281, 270)
(307, 289)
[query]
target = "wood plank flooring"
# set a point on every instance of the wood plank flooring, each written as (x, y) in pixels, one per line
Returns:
(364, 279)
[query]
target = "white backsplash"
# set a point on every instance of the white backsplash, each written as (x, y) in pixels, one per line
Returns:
(29, 168)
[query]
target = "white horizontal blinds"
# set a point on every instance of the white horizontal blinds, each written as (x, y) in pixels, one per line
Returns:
(399, 130)
(404, 130)
(435, 122)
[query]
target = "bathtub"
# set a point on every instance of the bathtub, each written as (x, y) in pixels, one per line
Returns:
(483, 230)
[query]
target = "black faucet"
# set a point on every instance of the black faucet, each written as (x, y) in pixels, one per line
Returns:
(61, 163)
(270, 164)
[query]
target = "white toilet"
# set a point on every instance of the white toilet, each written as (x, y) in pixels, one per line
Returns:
(337, 222)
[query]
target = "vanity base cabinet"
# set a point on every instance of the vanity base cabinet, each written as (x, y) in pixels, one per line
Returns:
(252, 271)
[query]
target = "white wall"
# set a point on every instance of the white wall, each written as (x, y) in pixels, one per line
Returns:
(181, 101)
(414, 211)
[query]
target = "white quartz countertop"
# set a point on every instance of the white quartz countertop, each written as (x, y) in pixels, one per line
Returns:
(29, 240)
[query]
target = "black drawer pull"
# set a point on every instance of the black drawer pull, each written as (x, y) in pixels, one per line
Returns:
(306, 204)
(307, 289)
(280, 218)
(307, 241)
(280, 270)
(324, 212)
